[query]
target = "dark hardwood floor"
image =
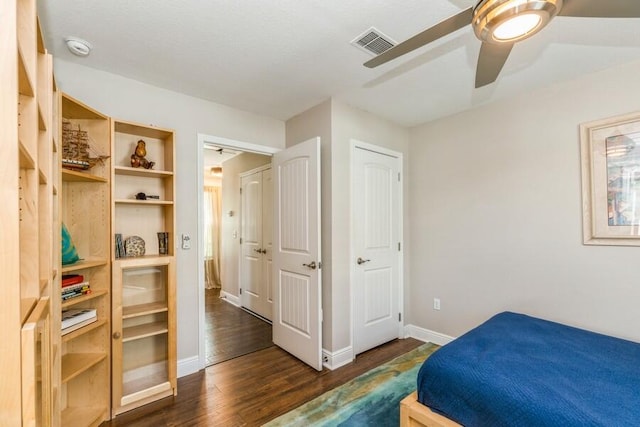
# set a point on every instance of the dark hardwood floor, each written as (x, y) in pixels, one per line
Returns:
(230, 331)
(253, 389)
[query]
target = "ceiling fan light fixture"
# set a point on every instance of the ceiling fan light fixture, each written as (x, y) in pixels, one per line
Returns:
(516, 27)
(500, 21)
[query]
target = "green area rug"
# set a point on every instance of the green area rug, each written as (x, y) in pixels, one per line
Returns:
(372, 399)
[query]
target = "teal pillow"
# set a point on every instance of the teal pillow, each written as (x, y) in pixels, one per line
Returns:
(69, 252)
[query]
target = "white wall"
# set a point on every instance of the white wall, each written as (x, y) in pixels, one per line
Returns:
(496, 216)
(231, 201)
(126, 99)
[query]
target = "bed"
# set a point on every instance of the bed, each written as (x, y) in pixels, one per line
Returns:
(517, 370)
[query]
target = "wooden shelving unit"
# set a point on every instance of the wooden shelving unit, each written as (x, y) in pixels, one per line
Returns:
(29, 214)
(85, 196)
(143, 293)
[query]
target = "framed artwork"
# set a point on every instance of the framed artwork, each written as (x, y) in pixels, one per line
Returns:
(610, 152)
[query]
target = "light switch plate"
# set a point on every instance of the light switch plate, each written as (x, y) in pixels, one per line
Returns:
(186, 241)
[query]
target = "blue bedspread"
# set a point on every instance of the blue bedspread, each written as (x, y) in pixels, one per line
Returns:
(516, 370)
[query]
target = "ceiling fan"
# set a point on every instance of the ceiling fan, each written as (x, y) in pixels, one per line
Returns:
(499, 24)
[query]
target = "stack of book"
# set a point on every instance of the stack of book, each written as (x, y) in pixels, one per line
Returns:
(77, 318)
(74, 285)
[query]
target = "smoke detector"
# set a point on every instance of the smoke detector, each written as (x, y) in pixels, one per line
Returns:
(78, 46)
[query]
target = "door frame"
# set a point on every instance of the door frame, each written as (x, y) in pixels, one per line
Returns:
(357, 144)
(218, 141)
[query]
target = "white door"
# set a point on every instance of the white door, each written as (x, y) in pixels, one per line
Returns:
(376, 227)
(256, 292)
(297, 322)
(251, 283)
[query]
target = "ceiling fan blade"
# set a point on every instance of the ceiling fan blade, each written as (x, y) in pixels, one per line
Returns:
(601, 8)
(490, 61)
(441, 29)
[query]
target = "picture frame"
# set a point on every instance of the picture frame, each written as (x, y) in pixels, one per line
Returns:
(610, 163)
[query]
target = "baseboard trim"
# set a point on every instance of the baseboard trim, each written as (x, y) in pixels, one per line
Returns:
(231, 299)
(188, 366)
(426, 335)
(336, 359)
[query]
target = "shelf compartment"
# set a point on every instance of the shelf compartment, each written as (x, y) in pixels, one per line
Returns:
(70, 175)
(26, 159)
(25, 81)
(143, 309)
(74, 364)
(84, 330)
(134, 391)
(84, 416)
(149, 173)
(81, 265)
(77, 300)
(144, 331)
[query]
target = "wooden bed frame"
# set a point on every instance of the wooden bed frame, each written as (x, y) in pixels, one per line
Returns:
(415, 414)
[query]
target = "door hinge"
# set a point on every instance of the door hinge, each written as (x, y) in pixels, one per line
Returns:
(398, 176)
(241, 240)
(319, 265)
(399, 247)
(240, 291)
(240, 190)
(399, 317)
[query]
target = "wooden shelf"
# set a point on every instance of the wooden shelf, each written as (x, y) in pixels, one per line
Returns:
(144, 261)
(25, 81)
(86, 329)
(27, 161)
(143, 309)
(70, 175)
(77, 300)
(150, 173)
(81, 265)
(144, 331)
(121, 126)
(85, 416)
(74, 109)
(26, 306)
(143, 202)
(73, 364)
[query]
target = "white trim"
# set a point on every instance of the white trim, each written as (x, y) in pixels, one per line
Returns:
(426, 335)
(356, 144)
(254, 170)
(218, 141)
(338, 358)
(188, 366)
(230, 298)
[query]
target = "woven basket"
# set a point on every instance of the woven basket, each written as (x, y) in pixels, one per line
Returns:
(76, 150)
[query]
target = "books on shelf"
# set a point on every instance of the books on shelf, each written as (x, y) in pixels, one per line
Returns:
(75, 290)
(71, 279)
(119, 244)
(74, 319)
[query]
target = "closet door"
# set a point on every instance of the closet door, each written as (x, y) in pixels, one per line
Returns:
(251, 280)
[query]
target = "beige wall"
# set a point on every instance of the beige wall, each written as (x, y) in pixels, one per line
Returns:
(496, 216)
(231, 200)
(337, 124)
(131, 100)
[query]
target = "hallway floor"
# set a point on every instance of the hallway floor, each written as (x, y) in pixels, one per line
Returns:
(231, 331)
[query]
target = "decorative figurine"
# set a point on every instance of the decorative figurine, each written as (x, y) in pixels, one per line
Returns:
(138, 158)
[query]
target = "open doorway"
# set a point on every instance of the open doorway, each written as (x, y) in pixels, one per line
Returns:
(227, 330)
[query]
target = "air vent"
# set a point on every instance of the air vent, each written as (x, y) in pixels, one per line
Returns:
(373, 41)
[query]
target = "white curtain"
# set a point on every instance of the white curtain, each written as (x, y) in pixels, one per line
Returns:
(212, 217)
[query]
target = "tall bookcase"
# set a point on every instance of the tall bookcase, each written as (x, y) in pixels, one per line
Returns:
(85, 210)
(144, 320)
(29, 192)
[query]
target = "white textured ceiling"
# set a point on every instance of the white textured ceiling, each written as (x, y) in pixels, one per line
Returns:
(280, 57)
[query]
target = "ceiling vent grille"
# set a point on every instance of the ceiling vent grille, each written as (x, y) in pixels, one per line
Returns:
(373, 41)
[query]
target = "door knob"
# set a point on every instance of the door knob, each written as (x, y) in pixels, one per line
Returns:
(311, 265)
(362, 261)
(116, 335)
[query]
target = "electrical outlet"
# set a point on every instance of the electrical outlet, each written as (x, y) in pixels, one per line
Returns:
(186, 241)
(325, 358)
(436, 303)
